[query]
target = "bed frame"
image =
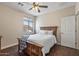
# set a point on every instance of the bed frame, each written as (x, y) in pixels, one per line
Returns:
(35, 49)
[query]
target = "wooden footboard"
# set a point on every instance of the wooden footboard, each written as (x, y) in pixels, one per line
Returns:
(33, 49)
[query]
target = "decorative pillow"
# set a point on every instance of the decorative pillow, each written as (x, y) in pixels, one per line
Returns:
(43, 32)
(46, 32)
(50, 32)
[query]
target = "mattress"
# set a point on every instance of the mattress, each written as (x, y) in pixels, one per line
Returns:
(47, 41)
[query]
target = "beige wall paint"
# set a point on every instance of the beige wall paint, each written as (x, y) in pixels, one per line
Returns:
(11, 25)
(54, 19)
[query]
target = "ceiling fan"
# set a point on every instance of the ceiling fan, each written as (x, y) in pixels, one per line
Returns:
(37, 6)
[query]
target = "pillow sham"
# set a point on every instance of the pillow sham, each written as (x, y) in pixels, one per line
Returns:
(43, 32)
(46, 32)
(50, 32)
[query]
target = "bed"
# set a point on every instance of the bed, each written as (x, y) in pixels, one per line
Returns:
(40, 44)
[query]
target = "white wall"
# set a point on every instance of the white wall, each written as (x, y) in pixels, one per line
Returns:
(54, 19)
(11, 25)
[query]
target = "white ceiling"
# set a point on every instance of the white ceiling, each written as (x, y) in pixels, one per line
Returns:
(52, 6)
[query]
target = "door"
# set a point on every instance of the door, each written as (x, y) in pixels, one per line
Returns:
(68, 31)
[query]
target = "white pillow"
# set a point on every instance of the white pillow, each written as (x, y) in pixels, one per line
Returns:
(43, 32)
(50, 32)
(46, 32)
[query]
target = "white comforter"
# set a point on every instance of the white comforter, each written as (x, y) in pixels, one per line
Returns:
(47, 41)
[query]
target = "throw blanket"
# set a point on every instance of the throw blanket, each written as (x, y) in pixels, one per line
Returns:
(23, 42)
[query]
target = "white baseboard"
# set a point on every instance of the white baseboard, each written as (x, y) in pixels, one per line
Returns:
(4, 47)
(69, 47)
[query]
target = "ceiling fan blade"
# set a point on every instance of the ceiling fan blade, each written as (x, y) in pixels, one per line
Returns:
(42, 6)
(39, 10)
(21, 4)
(33, 3)
(30, 9)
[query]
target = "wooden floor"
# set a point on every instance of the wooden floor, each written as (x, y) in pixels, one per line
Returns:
(57, 50)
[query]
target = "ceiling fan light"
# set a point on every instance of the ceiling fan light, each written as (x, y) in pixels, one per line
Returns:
(36, 8)
(33, 8)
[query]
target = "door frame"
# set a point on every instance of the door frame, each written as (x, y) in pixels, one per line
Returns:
(76, 43)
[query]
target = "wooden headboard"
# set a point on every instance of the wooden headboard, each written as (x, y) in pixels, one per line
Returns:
(54, 28)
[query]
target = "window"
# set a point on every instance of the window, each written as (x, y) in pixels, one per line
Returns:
(28, 25)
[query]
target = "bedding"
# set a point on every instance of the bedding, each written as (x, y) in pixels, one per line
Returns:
(47, 41)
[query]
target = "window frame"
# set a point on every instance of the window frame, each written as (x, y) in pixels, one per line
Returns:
(28, 20)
